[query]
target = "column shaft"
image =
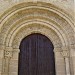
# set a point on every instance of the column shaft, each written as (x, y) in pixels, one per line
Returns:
(59, 62)
(67, 66)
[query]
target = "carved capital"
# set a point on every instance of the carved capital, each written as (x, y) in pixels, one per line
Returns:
(65, 48)
(72, 46)
(57, 49)
(65, 53)
(16, 50)
(8, 52)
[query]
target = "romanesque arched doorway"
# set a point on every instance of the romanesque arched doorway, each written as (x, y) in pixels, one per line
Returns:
(36, 56)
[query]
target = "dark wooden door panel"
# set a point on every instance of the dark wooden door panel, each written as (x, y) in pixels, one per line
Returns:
(36, 56)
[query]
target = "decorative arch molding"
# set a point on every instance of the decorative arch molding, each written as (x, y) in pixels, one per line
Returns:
(35, 28)
(27, 18)
(40, 10)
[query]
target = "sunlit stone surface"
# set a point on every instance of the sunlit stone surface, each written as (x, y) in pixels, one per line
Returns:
(53, 18)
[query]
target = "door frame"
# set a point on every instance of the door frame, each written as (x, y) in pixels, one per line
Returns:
(33, 37)
(34, 28)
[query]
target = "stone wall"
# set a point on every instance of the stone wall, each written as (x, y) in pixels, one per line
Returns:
(52, 18)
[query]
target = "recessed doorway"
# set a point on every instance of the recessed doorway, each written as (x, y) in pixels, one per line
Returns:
(36, 56)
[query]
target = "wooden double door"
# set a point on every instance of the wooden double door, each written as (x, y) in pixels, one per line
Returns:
(36, 56)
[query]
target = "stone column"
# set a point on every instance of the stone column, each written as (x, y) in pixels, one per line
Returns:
(1, 57)
(72, 59)
(59, 62)
(6, 60)
(67, 66)
(65, 54)
(14, 62)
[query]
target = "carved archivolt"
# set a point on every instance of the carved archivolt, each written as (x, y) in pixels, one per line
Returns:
(56, 21)
(35, 28)
(48, 13)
